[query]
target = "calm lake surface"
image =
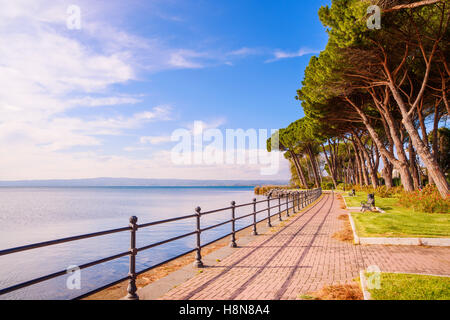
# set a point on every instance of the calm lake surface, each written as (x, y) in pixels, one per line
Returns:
(29, 215)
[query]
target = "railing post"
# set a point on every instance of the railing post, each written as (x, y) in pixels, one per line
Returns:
(131, 289)
(233, 226)
(279, 204)
(303, 199)
(255, 233)
(279, 211)
(298, 200)
(287, 204)
(198, 255)
(268, 212)
(294, 198)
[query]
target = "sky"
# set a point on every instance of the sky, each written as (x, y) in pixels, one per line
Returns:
(101, 96)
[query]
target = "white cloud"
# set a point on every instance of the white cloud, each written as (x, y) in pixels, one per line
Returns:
(279, 54)
(59, 133)
(198, 125)
(47, 70)
(53, 165)
(155, 139)
(245, 51)
(103, 101)
(185, 59)
(43, 67)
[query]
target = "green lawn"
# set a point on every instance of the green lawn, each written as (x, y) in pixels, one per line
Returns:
(397, 221)
(395, 286)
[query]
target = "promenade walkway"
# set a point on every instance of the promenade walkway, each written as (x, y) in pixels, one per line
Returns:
(302, 258)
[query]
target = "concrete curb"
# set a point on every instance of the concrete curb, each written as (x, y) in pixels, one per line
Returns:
(363, 281)
(352, 223)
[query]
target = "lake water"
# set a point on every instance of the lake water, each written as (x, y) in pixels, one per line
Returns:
(29, 215)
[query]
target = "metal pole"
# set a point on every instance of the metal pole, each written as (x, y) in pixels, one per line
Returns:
(294, 198)
(279, 204)
(233, 227)
(268, 212)
(301, 199)
(287, 204)
(131, 289)
(279, 211)
(255, 233)
(198, 256)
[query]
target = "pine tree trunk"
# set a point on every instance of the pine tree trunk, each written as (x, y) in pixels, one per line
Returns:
(314, 169)
(433, 168)
(299, 170)
(387, 173)
(413, 167)
(400, 164)
(332, 170)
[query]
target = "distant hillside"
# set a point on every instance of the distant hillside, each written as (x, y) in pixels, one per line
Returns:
(128, 182)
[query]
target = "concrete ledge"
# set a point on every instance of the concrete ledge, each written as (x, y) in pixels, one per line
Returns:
(352, 223)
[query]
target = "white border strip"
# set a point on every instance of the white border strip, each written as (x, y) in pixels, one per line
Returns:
(362, 279)
(352, 223)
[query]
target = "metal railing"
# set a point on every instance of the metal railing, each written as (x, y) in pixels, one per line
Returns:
(298, 199)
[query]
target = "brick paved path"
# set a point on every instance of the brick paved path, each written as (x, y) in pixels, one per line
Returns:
(302, 258)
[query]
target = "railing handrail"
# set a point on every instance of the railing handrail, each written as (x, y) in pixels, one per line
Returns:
(302, 201)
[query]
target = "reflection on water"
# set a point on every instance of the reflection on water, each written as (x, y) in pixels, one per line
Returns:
(29, 215)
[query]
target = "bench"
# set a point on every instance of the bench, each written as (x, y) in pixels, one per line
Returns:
(369, 204)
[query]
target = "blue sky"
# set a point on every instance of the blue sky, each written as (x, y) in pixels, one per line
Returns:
(103, 100)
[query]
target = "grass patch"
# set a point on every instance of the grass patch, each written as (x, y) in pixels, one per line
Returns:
(346, 233)
(397, 221)
(336, 292)
(397, 286)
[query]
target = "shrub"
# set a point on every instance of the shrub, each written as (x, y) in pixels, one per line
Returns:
(381, 191)
(428, 200)
(342, 186)
(261, 190)
(327, 185)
